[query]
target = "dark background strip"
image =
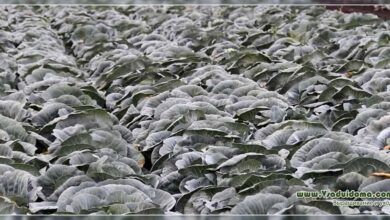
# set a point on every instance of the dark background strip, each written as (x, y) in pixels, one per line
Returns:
(325, 2)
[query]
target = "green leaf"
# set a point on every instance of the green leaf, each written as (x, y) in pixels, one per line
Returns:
(260, 204)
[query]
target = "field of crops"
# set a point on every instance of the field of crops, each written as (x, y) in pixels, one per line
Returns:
(191, 109)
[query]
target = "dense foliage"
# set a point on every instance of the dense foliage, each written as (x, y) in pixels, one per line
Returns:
(191, 109)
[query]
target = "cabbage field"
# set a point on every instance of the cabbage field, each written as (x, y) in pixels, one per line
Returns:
(191, 109)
